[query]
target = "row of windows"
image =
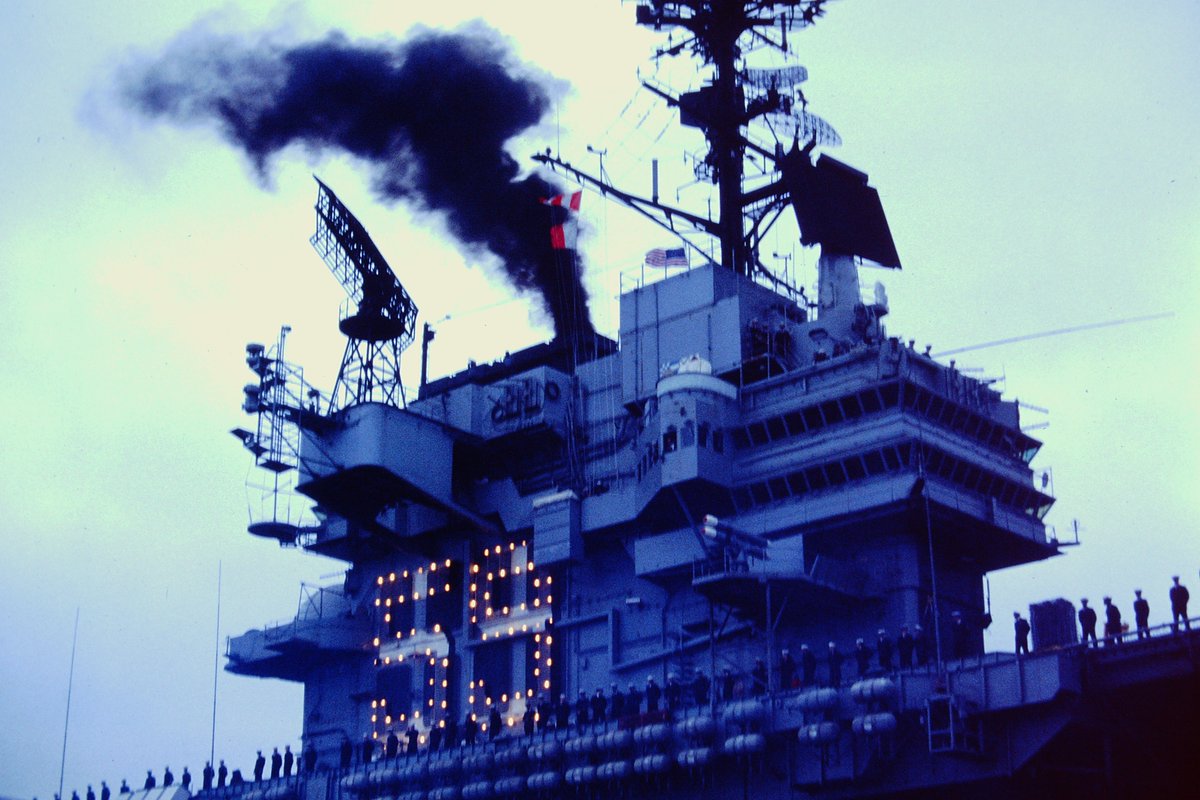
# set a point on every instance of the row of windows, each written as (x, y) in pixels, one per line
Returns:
(893, 458)
(914, 398)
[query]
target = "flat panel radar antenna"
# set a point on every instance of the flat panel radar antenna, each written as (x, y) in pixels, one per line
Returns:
(383, 322)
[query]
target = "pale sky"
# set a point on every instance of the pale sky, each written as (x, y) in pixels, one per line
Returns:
(1037, 162)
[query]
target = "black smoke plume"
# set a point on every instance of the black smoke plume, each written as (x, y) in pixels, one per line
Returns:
(430, 115)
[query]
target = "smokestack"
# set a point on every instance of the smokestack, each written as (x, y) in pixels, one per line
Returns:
(430, 116)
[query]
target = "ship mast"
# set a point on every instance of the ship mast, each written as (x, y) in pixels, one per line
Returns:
(715, 30)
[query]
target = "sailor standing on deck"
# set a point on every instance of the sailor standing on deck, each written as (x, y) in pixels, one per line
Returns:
(1087, 622)
(1141, 614)
(835, 666)
(1179, 601)
(1021, 629)
(260, 764)
(276, 763)
(1112, 622)
(904, 645)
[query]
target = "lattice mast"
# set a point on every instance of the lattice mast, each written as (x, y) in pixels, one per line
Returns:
(383, 321)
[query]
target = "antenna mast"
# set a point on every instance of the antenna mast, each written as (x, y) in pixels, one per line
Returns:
(384, 322)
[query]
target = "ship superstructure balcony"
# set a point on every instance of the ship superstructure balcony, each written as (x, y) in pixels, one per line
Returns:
(324, 626)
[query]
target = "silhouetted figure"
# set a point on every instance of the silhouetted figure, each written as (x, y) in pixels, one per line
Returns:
(206, 777)
(808, 666)
(236, 778)
(91, 795)
(451, 735)
(633, 700)
(653, 695)
(835, 666)
(528, 721)
(545, 713)
(1179, 602)
(1112, 623)
(562, 713)
(470, 728)
(391, 745)
(904, 647)
(435, 738)
(700, 687)
(185, 780)
(758, 678)
(260, 764)
(1087, 622)
(674, 693)
(310, 759)
(367, 750)
(884, 647)
(495, 723)
(727, 685)
(920, 646)
(616, 699)
(346, 755)
(1141, 614)
(414, 739)
(105, 792)
(124, 788)
(959, 635)
(582, 706)
(74, 795)
(787, 671)
(222, 774)
(1020, 633)
(150, 783)
(289, 759)
(276, 763)
(599, 707)
(168, 777)
(862, 657)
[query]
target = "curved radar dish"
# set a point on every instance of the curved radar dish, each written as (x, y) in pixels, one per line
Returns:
(799, 125)
(777, 78)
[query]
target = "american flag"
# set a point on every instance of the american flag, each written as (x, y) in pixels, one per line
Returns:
(667, 257)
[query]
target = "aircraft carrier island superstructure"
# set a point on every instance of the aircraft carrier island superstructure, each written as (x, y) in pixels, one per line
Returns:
(656, 553)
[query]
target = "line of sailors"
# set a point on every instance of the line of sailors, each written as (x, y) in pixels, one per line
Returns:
(1114, 628)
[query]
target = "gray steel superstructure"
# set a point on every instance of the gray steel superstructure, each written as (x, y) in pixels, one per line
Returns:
(743, 474)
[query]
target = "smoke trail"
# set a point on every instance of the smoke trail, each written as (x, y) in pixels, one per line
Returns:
(430, 115)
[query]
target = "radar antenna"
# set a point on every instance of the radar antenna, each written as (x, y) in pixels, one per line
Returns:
(383, 323)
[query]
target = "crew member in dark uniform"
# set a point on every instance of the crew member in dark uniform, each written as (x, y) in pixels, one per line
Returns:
(808, 666)
(862, 655)
(617, 699)
(150, 783)
(435, 738)
(581, 710)
(367, 750)
(1087, 622)
(1141, 614)
(222, 774)
(527, 719)
(391, 745)
(674, 692)
(562, 713)
(883, 646)
(289, 759)
(451, 737)
(260, 764)
(1112, 623)
(185, 780)
(1021, 631)
(105, 792)
(599, 707)
(904, 646)
(758, 678)
(835, 666)
(276, 763)
(1179, 603)
(470, 728)
(653, 695)
(494, 722)
(787, 671)
(727, 683)
(633, 700)
(206, 777)
(414, 739)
